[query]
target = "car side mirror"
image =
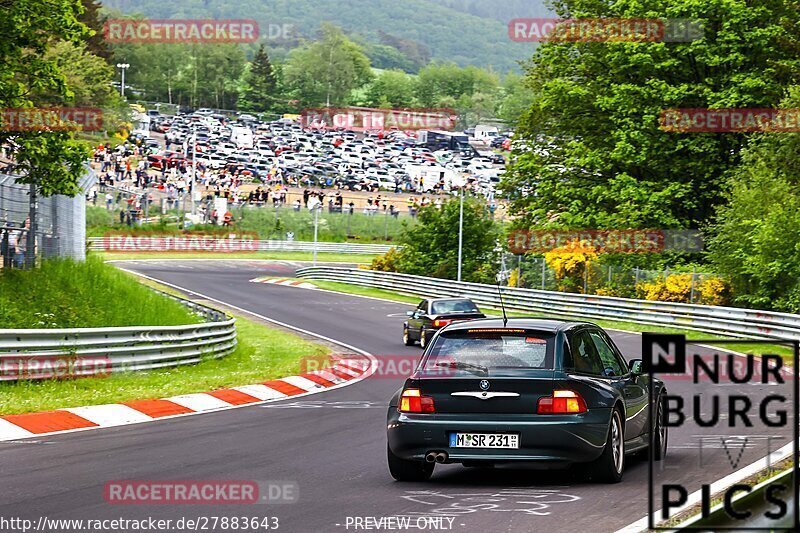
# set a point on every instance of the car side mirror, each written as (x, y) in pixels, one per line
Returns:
(636, 366)
(410, 313)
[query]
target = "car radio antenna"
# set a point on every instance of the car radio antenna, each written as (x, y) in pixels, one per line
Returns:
(502, 305)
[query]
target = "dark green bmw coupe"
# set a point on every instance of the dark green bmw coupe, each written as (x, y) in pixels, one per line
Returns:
(539, 391)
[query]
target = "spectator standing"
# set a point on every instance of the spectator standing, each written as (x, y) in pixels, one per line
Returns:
(5, 249)
(21, 244)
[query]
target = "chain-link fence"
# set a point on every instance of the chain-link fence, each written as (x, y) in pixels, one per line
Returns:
(533, 272)
(57, 229)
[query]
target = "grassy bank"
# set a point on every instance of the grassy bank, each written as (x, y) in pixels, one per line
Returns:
(263, 353)
(68, 294)
(270, 223)
(94, 294)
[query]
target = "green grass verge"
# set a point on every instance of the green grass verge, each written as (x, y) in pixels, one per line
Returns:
(322, 257)
(270, 223)
(69, 294)
(263, 353)
(756, 348)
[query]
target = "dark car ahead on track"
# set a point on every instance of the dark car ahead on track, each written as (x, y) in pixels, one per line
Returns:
(539, 391)
(434, 314)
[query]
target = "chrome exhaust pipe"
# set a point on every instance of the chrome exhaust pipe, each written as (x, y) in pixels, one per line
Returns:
(441, 457)
(430, 457)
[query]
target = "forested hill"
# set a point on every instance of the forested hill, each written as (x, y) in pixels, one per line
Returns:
(503, 11)
(450, 30)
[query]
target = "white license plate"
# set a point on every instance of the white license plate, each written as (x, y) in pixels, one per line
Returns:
(484, 440)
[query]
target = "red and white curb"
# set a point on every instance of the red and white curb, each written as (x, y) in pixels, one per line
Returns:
(344, 370)
(285, 281)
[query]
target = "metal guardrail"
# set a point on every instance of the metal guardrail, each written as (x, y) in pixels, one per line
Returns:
(52, 353)
(183, 243)
(730, 321)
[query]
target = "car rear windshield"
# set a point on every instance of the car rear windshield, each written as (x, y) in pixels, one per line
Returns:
(453, 306)
(490, 352)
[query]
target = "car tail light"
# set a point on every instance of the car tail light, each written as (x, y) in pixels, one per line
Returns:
(412, 401)
(441, 322)
(561, 402)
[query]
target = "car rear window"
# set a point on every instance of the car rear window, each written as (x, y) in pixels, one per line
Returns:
(490, 351)
(453, 306)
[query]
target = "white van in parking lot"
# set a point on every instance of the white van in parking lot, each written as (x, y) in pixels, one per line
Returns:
(242, 137)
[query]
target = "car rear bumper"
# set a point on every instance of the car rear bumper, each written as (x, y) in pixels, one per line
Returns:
(542, 438)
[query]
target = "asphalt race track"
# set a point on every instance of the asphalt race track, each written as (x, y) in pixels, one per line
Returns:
(333, 444)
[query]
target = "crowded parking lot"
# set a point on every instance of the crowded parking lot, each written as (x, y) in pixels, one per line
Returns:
(285, 163)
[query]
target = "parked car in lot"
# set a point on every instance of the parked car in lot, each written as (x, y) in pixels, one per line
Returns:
(545, 392)
(433, 314)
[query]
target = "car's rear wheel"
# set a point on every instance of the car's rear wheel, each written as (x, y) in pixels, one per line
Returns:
(611, 464)
(423, 338)
(660, 432)
(407, 340)
(405, 470)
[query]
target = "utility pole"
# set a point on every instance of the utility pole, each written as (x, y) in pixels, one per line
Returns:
(123, 67)
(30, 252)
(460, 231)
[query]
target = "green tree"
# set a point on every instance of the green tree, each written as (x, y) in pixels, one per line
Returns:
(755, 242)
(391, 88)
(592, 153)
(94, 19)
(196, 75)
(515, 100)
(50, 160)
(260, 83)
(88, 76)
(442, 83)
(327, 71)
(431, 246)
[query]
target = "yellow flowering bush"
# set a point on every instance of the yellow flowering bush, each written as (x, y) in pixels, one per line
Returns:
(673, 288)
(678, 288)
(714, 291)
(607, 291)
(386, 262)
(569, 263)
